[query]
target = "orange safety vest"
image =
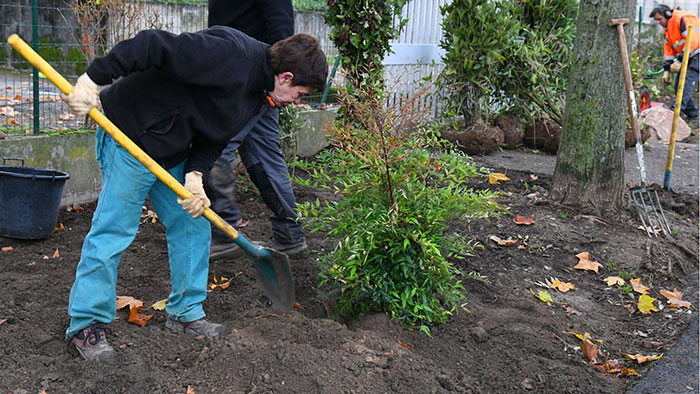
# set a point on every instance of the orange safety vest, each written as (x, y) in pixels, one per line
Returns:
(675, 38)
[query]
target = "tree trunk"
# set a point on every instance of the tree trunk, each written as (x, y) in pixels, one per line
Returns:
(590, 163)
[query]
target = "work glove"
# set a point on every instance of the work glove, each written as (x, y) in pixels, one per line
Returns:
(196, 204)
(83, 97)
(666, 79)
(675, 67)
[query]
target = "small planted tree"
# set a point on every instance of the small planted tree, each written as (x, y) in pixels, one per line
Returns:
(390, 221)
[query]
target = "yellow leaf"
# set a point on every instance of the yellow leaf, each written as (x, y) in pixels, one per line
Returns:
(160, 305)
(675, 298)
(543, 295)
(614, 280)
(563, 286)
(586, 264)
(503, 242)
(497, 177)
(638, 286)
(130, 301)
(642, 359)
(646, 304)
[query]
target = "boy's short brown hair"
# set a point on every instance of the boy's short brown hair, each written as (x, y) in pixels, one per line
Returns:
(301, 55)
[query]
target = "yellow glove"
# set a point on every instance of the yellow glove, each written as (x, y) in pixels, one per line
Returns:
(675, 67)
(195, 205)
(83, 97)
(666, 78)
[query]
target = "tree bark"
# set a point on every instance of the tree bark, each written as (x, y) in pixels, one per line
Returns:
(590, 163)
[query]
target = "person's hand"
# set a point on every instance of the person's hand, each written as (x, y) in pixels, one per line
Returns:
(675, 67)
(196, 204)
(666, 78)
(83, 97)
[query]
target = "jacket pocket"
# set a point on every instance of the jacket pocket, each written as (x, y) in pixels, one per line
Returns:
(166, 135)
(162, 123)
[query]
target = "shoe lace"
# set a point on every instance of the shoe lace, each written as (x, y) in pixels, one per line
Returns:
(97, 332)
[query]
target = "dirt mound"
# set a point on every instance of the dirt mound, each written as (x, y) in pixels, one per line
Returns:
(508, 341)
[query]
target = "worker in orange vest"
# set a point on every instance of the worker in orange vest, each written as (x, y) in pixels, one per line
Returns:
(676, 24)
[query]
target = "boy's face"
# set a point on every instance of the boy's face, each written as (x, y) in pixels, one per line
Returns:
(285, 93)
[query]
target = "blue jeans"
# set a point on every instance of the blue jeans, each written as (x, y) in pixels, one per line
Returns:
(688, 106)
(259, 147)
(125, 185)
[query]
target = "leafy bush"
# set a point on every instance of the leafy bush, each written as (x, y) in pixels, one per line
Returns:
(390, 222)
(508, 55)
(361, 30)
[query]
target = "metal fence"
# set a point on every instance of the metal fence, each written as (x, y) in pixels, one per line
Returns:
(70, 33)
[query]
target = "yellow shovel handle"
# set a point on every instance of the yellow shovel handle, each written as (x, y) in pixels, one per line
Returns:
(57, 79)
(679, 100)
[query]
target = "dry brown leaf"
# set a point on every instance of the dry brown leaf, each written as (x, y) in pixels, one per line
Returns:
(614, 280)
(403, 345)
(7, 248)
(59, 227)
(524, 220)
(138, 318)
(56, 254)
(589, 350)
(562, 286)
(675, 298)
(572, 310)
(638, 286)
(132, 302)
(586, 264)
(503, 242)
(190, 390)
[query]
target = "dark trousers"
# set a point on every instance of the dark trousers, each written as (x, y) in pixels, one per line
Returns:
(259, 148)
(688, 106)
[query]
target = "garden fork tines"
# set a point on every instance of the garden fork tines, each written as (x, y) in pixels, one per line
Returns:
(644, 203)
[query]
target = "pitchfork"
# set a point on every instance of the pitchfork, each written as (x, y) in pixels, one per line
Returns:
(648, 207)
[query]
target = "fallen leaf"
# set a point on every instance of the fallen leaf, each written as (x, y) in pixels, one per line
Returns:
(242, 223)
(190, 390)
(638, 287)
(56, 254)
(572, 310)
(534, 177)
(590, 350)
(7, 248)
(629, 308)
(59, 227)
(642, 359)
(497, 178)
(675, 298)
(2, 320)
(225, 283)
(524, 220)
(543, 295)
(563, 286)
(614, 280)
(138, 318)
(646, 304)
(295, 305)
(160, 305)
(503, 242)
(132, 302)
(586, 264)
(403, 345)
(66, 116)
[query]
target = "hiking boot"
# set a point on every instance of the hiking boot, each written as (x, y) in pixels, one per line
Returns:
(197, 327)
(290, 249)
(220, 250)
(92, 344)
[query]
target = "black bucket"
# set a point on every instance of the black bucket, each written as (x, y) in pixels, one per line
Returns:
(29, 200)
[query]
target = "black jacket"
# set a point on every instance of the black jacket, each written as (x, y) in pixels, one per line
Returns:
(265, 20)
(184, 96)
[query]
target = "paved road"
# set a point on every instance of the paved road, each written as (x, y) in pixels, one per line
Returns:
(684, 176)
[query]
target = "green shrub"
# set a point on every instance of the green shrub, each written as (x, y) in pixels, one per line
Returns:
(510, 55)
(390, 222)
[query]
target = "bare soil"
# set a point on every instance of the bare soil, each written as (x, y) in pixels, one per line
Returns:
(508, 342)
